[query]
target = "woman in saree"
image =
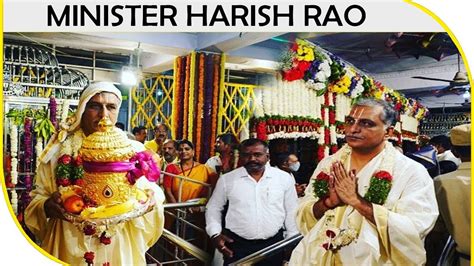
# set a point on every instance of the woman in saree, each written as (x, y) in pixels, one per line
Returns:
(189, 168)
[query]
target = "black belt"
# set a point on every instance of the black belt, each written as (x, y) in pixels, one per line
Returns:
(238, 238)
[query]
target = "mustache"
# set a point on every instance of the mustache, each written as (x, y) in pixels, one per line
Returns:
(252, 164)
(353, 137)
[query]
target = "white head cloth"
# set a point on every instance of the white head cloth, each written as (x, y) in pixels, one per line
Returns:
(89, 92)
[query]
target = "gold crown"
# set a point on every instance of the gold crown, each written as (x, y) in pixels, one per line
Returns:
(107, 145)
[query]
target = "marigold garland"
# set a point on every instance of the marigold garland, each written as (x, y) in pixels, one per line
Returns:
(182, 92)
(200, 106)
(186, 98)
(192, 89)
(176, 97)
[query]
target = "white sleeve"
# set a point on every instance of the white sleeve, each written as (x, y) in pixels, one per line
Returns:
(291, 206)
(214, 208)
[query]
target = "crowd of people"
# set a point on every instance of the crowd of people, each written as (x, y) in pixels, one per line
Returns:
(367, 204)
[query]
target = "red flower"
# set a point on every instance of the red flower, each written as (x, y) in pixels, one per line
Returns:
(333, 149)
(261, 131)
(293, 74)
(383, 175)
(65, 159)
(105, 240)
(327, 246)
(320, 153)
(303, 66)
(294, 47)
(326, 99)
(63, 182)
(322, 176)
(89, 230)
(332, 117)
(89, 257)
(78, 161)
(106, 263)
(327, 136)
(79, 182)
(330, 233)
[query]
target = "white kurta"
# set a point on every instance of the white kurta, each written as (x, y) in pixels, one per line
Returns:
(402, 223)
(66, 242)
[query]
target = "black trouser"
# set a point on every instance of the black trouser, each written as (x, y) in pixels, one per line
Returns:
(243, 247)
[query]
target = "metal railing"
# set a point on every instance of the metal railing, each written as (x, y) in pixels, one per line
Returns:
(175, 247)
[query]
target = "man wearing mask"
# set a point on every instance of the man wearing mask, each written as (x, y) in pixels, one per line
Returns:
(289, 163)
(262, 204)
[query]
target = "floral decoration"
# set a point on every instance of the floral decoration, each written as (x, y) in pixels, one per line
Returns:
(380, 184)
(69, 171)
(323, 71)
(321, 185)
(89, 257)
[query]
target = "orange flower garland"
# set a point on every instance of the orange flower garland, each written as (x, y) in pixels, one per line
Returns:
(200, 106)
(176, 96)
(186, 98)
(215, 98)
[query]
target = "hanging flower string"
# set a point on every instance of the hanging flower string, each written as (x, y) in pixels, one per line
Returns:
(192, 90)
(186, 101)
(27, 162)
(207, 123)
(177, 97)
(200, 106)
(14, 164)
(53, 107)
(217, 97)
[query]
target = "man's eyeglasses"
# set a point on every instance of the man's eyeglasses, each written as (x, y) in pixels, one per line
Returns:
(362, 123)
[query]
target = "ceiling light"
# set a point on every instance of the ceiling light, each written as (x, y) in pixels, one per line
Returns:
(466, 95)
(129, 76)
(132, 73)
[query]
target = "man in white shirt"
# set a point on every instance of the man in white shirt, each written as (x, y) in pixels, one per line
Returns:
(262, 204)
(447, 161)
(225, 160)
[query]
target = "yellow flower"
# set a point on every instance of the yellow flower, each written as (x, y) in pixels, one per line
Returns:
(305, 51)
(378, 94)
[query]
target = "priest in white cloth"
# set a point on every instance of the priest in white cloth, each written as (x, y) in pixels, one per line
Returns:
(44, 216)
(378, 211)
